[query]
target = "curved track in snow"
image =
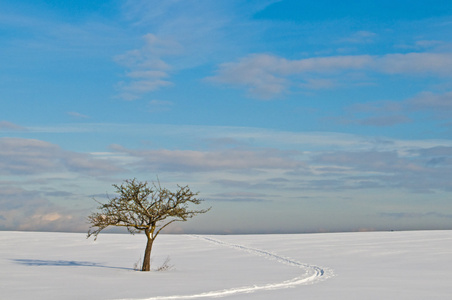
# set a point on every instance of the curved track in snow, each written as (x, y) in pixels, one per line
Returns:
(311, 274)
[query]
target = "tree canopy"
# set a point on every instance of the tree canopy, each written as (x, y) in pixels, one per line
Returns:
(140, 206)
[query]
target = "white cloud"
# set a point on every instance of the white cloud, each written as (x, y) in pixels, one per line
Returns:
(266, 76)
(423, 45)
(418, 170)
(200, 31)
(22, 209)
(431, 101)
(371, 161)
(307, 164)
(200, 161)
(259, 74)
(389, 113)
(29, 156)
(435, 64)
(225, 137)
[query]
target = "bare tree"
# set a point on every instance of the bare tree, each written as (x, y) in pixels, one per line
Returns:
(143, 207)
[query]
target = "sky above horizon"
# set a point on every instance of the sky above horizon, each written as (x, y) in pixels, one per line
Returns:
(286, 116)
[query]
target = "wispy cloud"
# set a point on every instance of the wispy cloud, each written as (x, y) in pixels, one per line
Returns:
(77, 115)
(360, 37)
(432, 102)
(43, 189)
(267, 76)
(147, 71)
(434, 64)
(38, 32)
(8, 126)
(27, 210)
(405, 215)
(200, 161)
(420, 45)
(304, 165)
(239, 197)
(419, 170)
(160, 105)
(369, 161)
(312, 162)
(389, 113)
(195, 34)
(377, 121)
(30, 156)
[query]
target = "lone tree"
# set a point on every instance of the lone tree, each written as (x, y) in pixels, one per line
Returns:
(143, 207)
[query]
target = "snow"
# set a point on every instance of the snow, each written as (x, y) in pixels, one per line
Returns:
(370, 265)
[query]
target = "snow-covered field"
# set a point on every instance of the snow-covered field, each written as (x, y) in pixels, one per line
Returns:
(371, 265)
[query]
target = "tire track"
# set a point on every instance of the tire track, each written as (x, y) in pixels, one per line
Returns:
(312, 274)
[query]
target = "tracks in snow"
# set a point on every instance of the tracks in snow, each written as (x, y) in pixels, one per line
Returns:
(311, 274)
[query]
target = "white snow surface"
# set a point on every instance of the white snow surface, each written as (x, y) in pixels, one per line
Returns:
(370, 265)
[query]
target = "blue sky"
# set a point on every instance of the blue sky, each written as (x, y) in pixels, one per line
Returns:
(287, 116)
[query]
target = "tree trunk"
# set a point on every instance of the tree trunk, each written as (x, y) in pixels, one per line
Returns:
(147, 254)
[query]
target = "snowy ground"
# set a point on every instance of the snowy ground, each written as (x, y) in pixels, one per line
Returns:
(372, 265)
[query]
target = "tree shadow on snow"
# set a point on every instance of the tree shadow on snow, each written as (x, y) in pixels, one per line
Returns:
(63, 263)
